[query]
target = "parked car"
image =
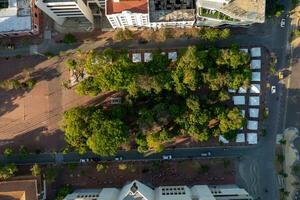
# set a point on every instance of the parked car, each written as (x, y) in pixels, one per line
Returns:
(167, 157)
(118, 158)
(282, 23)
(84, 160)
(204, 154)
(273, 89)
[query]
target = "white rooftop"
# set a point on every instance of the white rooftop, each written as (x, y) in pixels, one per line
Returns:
(223, 139)
(172, 56)
(252, 125)
(254, 101)
(254, 112)
(242, 90)
(240, 137)
(147, 57)
(255, 64)
(255, 76)
(238, 100)
(136, 57)
(256, 52)
(252, 138)
(255, 88)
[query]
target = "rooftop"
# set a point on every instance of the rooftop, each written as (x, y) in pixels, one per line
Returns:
(172, 10)
(246, 10)
(19, 189)
(118, 6)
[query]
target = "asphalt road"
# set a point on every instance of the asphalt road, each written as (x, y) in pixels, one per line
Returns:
(256, 166)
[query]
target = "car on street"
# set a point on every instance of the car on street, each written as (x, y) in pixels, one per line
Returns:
(282, 23)
(273, 89)
(204, 154)
(167, 157)
(118, 158)
(84, 160)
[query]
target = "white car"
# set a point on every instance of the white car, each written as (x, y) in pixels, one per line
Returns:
(119, 158)
(205, 154)
(167, 157)
(273, 89)
(282, 23)
(84, 160)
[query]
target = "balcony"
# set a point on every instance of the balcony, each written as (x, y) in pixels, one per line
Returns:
(214, 14)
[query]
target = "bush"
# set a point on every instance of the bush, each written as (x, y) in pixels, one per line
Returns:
(162, 34)
(69, 38)
(63, 192)
(101, 167)
(11, 84)
(29, 84)
(122, 35)
(35, 170)
(23, 151)
(8, 151)
(148, 34)
(122, 166)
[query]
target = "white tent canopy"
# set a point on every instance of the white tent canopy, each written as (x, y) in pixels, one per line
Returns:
(255, 64)
(231, 90)
(243, 112)
(223, 139)
(136, 57)
(252, 138)
(239, 100)
(254, 101)
(172, 56)
(256, 52)
(242, 90)
(252, 125)
(255, 88)
(240, 137)
(147, 57)
(255, 76)
(254, 112)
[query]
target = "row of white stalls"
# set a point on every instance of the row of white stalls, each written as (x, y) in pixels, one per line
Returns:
(250, 100)
(147, 56)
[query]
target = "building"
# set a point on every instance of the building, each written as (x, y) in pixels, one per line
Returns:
(127, 13)
(18, 18)
(75, 12)
(136, 190)
(231, 12)
(23, 189)
(172, 13)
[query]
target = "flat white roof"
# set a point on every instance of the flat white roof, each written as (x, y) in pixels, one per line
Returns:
(255, 88)
(242, 90)
(256, 52)
(254, 112)
(15, 23)
(252, 125)
(147, 57)
(240, 137)
(255, 76)
(238, 100)
(136, 57)
(255, 64)
(254, 101)
(252, 138)
(172, 56)
(223, 139)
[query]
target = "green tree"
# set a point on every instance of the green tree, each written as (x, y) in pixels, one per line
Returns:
(51, 174)
(7, 171)
(107, 136)
(35, 170)
(8, 151)
(101, 167)
(69, 38)
(122, 35)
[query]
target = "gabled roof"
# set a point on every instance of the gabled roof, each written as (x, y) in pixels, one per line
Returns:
(134, 6)
(18, 189)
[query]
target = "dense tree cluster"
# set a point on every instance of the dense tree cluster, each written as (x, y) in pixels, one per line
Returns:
(165, 99)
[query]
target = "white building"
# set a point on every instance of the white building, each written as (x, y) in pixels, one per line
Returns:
(137, 190)
(60, 10)
(127, 13)
(231, 12)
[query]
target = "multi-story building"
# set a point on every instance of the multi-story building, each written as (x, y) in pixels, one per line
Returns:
(172, 13)
(18, 18)
(127, 13)
(137, 190)
(59, 10)
(231, 12)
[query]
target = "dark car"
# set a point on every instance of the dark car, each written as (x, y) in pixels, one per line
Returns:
(96, 159)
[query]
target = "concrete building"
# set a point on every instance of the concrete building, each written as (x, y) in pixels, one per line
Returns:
(127, 13)
(231, 12)
(172, 13)
(136, 190)
(73, 13)
(18, 18)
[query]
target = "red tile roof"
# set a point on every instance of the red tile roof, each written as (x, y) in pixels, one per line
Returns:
(137, 6)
